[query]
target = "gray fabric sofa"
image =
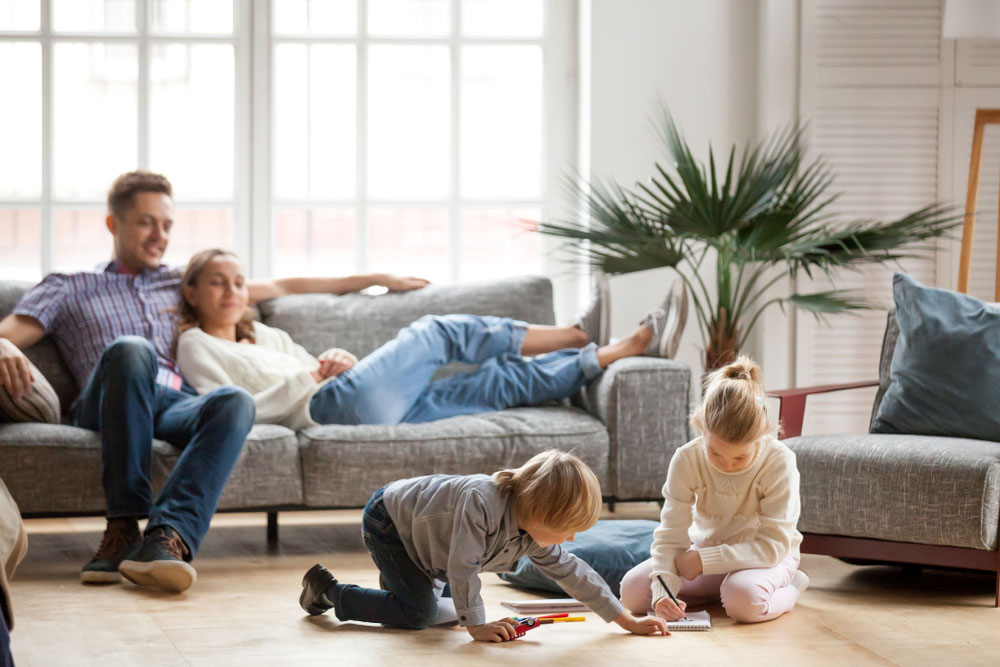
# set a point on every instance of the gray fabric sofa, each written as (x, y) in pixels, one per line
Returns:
(625, 425)
(895, 498)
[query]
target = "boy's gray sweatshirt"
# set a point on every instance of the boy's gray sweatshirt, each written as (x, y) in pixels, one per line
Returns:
(456, 526)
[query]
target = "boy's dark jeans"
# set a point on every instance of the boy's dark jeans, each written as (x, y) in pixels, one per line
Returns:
(407, 598)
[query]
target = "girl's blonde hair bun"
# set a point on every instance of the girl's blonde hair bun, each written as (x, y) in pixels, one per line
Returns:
(734, 408)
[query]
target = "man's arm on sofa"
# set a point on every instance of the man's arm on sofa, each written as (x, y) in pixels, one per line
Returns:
(16, 333)
(261, 290)
(792, 403)
(644, 402)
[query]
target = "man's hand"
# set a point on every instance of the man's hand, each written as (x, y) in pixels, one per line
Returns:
(402, 283)
(497, 631)
(688, 564)
(642, 626)
(665, 608)
(15, 370)
(334, 362)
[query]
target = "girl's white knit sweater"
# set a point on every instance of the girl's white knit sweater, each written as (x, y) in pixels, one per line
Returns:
(275, 370)
(740, 520)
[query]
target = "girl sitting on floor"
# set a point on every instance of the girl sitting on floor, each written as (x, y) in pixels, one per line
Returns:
(734, 493)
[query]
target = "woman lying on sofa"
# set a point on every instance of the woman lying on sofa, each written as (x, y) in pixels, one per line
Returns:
(519, 363)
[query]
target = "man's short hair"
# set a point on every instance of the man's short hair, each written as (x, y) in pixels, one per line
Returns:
(121, 196)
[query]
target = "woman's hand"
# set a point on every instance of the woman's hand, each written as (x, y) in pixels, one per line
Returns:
(688, 564)
(647, 625)
(665, 608)
(334, 362)
(497, 631)
(402, 283)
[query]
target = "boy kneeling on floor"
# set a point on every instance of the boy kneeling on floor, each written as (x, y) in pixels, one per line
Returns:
(427, 531)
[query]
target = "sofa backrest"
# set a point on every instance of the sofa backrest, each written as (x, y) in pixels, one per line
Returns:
(354, 322)
(361, 323)
(45, 355)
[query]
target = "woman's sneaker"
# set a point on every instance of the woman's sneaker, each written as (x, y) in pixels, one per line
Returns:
(596, 320)
(121, 540)
(161, 562)
(316, 582)
(667, 323)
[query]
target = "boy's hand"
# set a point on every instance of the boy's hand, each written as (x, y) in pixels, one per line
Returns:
(665, 608)
(688, 564)
(642, 626)
(497, 631)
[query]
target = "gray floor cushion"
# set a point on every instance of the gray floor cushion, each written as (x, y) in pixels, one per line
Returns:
(344, 464)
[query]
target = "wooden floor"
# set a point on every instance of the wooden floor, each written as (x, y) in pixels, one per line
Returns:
(244, 610)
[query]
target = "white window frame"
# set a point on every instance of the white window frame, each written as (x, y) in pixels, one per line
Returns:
(144, 39)
(252, 204)
(559, 130)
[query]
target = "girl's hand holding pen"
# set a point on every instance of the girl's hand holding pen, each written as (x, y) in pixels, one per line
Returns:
(666, 608)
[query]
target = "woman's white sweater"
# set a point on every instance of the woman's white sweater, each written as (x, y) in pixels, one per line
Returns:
(739, 520)
(275, 370)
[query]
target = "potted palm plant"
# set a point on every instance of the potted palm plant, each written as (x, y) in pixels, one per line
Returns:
(764, 219)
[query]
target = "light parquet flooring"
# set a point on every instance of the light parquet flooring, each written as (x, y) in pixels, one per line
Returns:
(244, 610)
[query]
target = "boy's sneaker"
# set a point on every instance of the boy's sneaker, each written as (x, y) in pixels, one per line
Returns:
(121, 540)
(161, 562)
(596, 320)
(667, 323)
(316, 582)
(801, 581)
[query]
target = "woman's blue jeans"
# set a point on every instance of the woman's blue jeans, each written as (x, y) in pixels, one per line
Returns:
(408, 598)
(393, 384)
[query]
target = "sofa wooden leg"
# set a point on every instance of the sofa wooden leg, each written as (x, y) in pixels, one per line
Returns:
(996, 599)
(272, 528)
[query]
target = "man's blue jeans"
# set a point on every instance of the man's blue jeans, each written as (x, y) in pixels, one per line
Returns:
(408, 598)
(123, 402)
(392, 385)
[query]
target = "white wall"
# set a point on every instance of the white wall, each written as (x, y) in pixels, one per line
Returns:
(700, 57)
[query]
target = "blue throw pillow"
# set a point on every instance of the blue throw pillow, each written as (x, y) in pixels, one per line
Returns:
(945, 372)
(612, 548)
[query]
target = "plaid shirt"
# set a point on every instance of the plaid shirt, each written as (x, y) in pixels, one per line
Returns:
(85, 312)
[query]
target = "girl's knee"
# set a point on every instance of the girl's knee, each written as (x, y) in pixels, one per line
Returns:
(636, 594)
(743, 600)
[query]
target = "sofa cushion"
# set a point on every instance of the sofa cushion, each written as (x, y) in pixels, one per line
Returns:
(945, 372)
(44, 354)
(906, 488)
(361, 324)
(344, 465)
(39, 404)
(268, 472)
(51, 467)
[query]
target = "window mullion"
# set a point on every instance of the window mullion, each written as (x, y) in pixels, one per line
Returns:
(143, 85)
(361, 141)
(454, 221)
(48, 161)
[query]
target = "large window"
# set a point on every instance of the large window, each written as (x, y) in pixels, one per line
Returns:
(312, 136)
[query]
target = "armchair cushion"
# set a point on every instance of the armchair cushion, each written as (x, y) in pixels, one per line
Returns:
(945, 372)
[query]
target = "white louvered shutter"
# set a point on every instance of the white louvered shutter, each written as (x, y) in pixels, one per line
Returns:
(871, 93)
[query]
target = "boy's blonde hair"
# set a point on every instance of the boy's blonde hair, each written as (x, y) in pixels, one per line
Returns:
(734, 408)
(555, 489)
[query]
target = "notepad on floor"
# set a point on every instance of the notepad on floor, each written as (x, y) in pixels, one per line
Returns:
(695, 621)
(551, 606)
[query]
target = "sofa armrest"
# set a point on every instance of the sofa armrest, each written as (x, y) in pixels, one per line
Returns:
(792, 403)
(644, 402)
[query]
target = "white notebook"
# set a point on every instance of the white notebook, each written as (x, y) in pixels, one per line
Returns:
(551, 606)
(695, 621)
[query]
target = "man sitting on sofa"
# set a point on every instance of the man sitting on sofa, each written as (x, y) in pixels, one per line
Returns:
(114, 327)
